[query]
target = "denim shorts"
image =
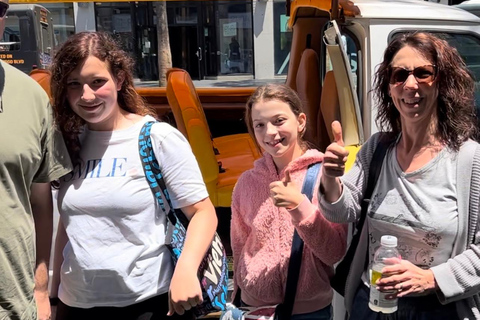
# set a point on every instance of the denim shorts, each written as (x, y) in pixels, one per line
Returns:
(322, 314)
(409, 308)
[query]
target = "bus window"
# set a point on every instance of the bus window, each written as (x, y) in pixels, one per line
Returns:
(11, 36)
(46, 50)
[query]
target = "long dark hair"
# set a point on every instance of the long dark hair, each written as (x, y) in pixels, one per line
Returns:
(455, 111)
(72, 53)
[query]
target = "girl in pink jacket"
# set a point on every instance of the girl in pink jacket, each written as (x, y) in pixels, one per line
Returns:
(268, 205)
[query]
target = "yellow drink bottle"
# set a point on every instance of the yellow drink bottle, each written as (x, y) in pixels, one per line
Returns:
(378, 300)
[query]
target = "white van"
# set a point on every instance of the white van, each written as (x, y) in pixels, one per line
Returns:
(337, 48)
(350, 42)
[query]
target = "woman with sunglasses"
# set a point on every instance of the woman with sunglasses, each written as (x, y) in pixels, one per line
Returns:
(426, 115)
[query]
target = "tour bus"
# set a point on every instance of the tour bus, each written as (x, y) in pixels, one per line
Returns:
(336, 48)
(27, 41)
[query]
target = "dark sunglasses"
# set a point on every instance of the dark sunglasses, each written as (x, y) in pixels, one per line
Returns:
(423, 74)
(3, 9)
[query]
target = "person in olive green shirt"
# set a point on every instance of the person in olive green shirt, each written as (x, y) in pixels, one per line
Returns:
(32, 154)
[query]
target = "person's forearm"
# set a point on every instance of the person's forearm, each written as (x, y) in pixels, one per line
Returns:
(60, 241)
(331, 188)
(42, 210)
(200, 232)
(41, 277)
(42, 300)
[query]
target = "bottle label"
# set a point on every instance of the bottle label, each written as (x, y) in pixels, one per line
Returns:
(377, 298)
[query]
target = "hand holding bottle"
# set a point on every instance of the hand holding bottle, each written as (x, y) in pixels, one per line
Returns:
(382, 299)
(406, 278)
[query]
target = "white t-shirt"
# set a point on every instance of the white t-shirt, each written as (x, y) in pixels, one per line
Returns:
(116, 254)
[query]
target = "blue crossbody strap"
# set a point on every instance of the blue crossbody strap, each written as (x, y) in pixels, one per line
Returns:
(153, 173)
(284, 310)
(213, 270)
(310, 179)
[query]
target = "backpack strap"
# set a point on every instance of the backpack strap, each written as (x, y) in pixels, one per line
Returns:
(339, 280)
(284, 310)
(155, 177)
(2, 86)
(373, 173)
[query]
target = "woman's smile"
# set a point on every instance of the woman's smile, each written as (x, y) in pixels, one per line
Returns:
(91, 108)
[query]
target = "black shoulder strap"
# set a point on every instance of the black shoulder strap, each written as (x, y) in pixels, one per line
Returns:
(338, 281)
(2, 86)
(373, 174)
(284, 310)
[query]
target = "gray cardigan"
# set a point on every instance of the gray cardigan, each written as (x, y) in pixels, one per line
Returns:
(459, 278)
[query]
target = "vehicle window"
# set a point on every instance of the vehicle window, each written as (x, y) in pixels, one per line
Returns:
(352, 53)
(11, 35)
(45, 55)
(469, 48)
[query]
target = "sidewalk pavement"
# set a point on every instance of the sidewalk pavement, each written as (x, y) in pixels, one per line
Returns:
(224, 82)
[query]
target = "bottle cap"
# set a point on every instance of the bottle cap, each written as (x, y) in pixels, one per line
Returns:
(389, 241)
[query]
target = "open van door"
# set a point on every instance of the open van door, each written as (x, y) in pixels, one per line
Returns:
(349, 105)
(350, 115)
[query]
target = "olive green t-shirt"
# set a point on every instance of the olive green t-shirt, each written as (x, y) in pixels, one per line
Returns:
(31, 150)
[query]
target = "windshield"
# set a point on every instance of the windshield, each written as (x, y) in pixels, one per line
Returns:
(469, 48)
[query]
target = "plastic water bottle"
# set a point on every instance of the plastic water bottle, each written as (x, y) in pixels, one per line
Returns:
(378, 301)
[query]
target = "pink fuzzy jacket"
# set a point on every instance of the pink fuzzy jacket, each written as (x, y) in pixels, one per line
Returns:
(261, 236)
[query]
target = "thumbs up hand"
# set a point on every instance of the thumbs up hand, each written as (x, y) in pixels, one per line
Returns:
(286, 193)
(336, 155)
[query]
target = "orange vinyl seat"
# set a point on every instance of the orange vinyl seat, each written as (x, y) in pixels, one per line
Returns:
(42, 76)
(309, 89)
(236, 153)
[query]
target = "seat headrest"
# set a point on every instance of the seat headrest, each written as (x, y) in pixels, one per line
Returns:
(183, 99)
(309, 89)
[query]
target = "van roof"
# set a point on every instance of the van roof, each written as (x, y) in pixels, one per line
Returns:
(424, 10)
(469, 4)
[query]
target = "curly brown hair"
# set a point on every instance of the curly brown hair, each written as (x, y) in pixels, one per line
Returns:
(455, 108)
(72, 54)
(274, 91)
